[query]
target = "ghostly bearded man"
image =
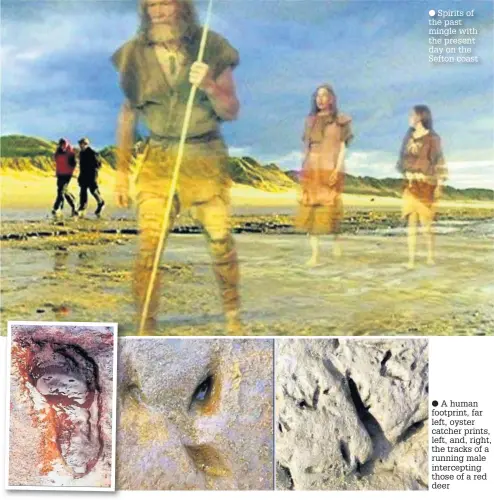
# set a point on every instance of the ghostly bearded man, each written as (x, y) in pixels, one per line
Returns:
(157, 71)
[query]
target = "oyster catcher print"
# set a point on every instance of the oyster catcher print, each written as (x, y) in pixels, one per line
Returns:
(62, 406)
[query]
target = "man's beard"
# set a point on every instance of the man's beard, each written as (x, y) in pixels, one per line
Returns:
(167, 33)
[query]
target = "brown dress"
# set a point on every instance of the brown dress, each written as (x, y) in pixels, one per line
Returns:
(321, 207)
(423, 165)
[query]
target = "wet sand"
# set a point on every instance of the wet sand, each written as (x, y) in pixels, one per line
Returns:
(86, 276)
(82, 270)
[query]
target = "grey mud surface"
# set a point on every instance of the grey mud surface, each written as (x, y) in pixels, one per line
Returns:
(352, 414)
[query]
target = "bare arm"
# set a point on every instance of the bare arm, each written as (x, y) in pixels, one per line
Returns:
(221, 91)
(441, 168)
(126, 129)
(223, 96)
(345, 138)
(341, 158)
(306, 136)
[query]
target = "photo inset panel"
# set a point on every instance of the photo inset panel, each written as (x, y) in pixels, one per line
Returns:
(352, 414)
(62, 406)
(195, 414)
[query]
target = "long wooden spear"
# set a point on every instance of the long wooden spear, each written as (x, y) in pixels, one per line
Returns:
(176, 171)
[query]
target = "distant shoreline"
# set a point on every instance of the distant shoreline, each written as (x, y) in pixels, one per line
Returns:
(27, 169)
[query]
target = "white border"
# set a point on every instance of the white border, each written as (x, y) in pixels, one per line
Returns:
(275, 408)
(114, 407)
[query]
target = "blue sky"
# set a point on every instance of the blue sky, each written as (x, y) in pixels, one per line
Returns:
(57, 79)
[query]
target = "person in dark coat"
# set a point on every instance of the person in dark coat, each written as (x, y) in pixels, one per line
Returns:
(89, 165)
(65, 164)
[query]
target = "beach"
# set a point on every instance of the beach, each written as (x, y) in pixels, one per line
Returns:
(82, 271)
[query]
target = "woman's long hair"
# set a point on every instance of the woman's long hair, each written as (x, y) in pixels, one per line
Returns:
(425, 115)
(334, 108)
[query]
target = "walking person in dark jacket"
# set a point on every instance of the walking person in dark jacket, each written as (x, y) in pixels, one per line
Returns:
(89, 165)
(65, 164)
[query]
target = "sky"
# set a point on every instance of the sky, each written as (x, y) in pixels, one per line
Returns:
(57, 79)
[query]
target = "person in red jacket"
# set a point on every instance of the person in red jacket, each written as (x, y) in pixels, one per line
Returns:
(65, 164)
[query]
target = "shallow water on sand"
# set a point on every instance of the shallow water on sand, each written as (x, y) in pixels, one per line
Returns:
(87, 277)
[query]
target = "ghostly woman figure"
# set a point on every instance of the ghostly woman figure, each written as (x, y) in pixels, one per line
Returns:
(326, 136)
(422, 163)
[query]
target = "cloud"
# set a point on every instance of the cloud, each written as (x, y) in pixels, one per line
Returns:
(239, 151)
(43, 49)
(462, 173)
(379, 164)
(290, 161)
(72, 119)
(477, 174)
(371, 163)
(56, 75)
